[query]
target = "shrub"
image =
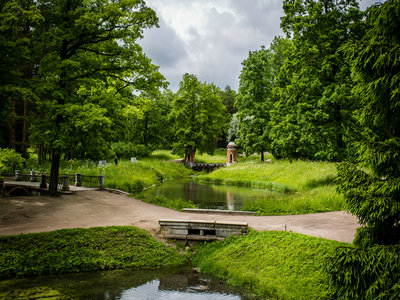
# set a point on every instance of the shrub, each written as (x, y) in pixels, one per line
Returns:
(10, 161)
(128, 150)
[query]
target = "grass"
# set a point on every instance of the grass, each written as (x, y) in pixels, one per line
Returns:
(299, 187)
(82, 250)
(126, 176)
(272, 264)
(177, 204)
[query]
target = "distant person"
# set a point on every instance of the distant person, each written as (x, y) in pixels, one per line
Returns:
(116, 160)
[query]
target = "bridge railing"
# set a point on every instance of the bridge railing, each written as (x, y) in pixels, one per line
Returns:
(72, 179)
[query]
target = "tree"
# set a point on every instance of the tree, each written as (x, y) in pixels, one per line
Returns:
(199, 116)
(19, 53)
(228, 97)
(91, 57)
(254, 102)
(314, 113)
(371, 270)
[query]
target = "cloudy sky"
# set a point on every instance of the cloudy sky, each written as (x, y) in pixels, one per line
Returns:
(210, 38)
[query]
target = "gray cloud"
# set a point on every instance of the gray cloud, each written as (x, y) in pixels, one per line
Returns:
(211, 38)
(163, 45)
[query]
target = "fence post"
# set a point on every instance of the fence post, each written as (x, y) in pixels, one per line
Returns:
(78, 179)
(65, 183)
(33, 176)
(18, 176)
(43, 184)
(101, 182)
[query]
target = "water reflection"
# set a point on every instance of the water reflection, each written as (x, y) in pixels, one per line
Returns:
(207, 195)
(127, 284)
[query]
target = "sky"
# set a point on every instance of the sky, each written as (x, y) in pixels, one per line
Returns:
(211, 38)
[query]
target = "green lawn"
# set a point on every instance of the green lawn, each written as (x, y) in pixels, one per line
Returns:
(82, 250)
(277, 265)
(291, 188)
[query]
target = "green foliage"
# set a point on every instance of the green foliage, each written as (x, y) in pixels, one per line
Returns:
(83, 250)
(313, 115)
(371, 271)
(365, 273)
(78, 62)
(272, 264)
(254, 102)
(127, 176)
(376, 203)
(128, 150)
(228, 97)
(199, 117)
(10, 161)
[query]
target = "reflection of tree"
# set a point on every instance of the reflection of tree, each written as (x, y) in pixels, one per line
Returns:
(190, 191)
(93, 285)
(230, 200)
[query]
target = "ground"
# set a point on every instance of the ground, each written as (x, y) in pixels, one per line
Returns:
(84, 209)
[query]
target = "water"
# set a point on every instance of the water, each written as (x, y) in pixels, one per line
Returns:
(206, 195)
(126, 284)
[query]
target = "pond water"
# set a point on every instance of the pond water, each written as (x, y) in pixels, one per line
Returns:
(125, 284)
(206, 195)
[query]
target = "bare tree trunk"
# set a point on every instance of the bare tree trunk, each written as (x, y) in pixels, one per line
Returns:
(54, 171)
(24, 126)
(40, 154)
(262, 155)
(12, 125)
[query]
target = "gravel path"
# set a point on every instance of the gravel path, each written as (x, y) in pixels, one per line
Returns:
(101, 208)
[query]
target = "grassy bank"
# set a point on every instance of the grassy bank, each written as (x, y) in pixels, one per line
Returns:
(126, 176)
(82, 250)
(177, 204)
(272, 264)
(291, 188)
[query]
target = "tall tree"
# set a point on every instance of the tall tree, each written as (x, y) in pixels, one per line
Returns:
(91, 56)
(254, 102)
(372, 269)
(199, 116)
(314, 113)
(19, 54)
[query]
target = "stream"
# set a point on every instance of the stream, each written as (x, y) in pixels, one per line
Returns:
(181, 283)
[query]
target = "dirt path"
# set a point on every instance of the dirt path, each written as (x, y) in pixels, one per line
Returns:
(100, 208)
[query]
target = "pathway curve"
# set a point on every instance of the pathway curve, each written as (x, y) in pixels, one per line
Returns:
(101, 208)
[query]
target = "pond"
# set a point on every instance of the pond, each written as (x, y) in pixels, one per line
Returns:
(206, 195)
(181, 283)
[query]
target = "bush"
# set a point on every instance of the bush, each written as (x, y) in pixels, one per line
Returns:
(128, 150)
(365, 273)
(10, 161)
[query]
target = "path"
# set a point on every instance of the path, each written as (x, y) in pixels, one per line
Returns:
(101, 208)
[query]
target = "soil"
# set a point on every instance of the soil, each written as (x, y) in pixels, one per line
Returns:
(93, 208)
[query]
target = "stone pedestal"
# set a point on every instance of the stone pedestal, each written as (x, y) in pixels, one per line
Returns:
(78, 179)
(65, 183)
(33, 176)
(18, 175)
(43, 184)
(101, 182)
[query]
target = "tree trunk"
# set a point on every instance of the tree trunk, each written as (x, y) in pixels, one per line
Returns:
(55, 166)
(40, 154)
(12, 125)
(262, 155)
(190, 157)
(24, 129)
